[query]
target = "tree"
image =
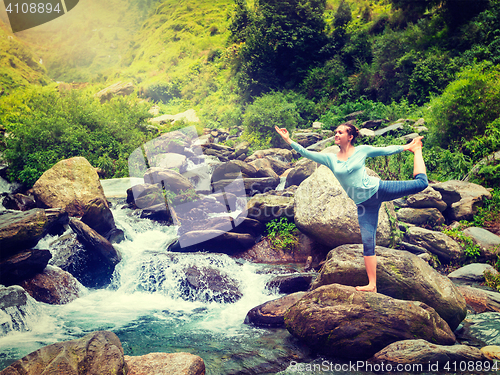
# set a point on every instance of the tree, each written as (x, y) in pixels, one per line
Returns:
(281, 41)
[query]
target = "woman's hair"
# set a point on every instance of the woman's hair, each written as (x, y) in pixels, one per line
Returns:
(351, 130)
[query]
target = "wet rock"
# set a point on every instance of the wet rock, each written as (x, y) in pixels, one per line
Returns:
(472, 272)
(438, 243)
(400, 274)
(296, 282)
(21, 230)
(484, 328)
(91, 265)
(423, 353)
(94, 242)
(70, 184)
(214, 240)
(334, 222)
(23, 266)
(17, 309)
(53, 286)
(428, 198)
(165, 364)
(487, 241)
(96, 353)
(421, 216)
(463, 198)
(209, 285)
(19, 202)
(271, 313)
(481, 300)
(99, 217)
(337, 320)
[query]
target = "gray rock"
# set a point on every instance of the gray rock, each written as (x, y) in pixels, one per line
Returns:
(421, 216)
(325, 212)
(17, 310)
(472, 272)
(435, 242)
(423, 353)
(339, 321)
(267, 207)
(96, 353)
(487, 241)
(389, 129)
(400, 274)
(484, 327)
(428, 198)
(463, 198)
(23, 266)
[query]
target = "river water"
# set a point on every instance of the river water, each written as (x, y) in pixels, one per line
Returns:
(146, 307)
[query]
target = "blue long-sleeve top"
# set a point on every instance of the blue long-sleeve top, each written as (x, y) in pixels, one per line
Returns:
(351, 173)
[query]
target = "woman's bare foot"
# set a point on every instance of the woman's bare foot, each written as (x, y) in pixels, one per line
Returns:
(415, 144)
(367, 288)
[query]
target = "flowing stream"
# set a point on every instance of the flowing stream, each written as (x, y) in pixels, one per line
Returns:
(147, 308)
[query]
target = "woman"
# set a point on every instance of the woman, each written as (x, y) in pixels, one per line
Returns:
(367, 192)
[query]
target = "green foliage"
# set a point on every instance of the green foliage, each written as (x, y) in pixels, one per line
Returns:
(281, 41)
(492, 280)
(163, 91)
(46, 126)
(263, 114)
(489, 214)
(467, 105)
(443, 164)
(282, 234)
(470, 248)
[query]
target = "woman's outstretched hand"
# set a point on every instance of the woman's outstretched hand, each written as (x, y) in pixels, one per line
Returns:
(284, 134)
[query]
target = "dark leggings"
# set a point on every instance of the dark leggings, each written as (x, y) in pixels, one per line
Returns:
(368, 210)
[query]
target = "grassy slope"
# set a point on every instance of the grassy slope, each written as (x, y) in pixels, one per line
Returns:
(19, 67)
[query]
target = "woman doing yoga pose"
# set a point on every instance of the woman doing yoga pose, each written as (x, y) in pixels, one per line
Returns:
(367, 192)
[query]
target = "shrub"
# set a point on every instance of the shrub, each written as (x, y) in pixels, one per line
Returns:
(263, 114)
(282, 234)
(466, 106)
(45, 127)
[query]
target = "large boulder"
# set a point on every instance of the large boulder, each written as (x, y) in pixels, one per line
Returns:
(170, 179)
(271, 313)
(438, 243)
(23, 266)
(339, 321)
(302, 170)
(70, 184)
(425, 356)
(22, 230)
(96, 353)
(214, 240)
(165, 364)
(232, 170)
(463, 198)
(53, 286)
(400, 274)
(325, 212)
